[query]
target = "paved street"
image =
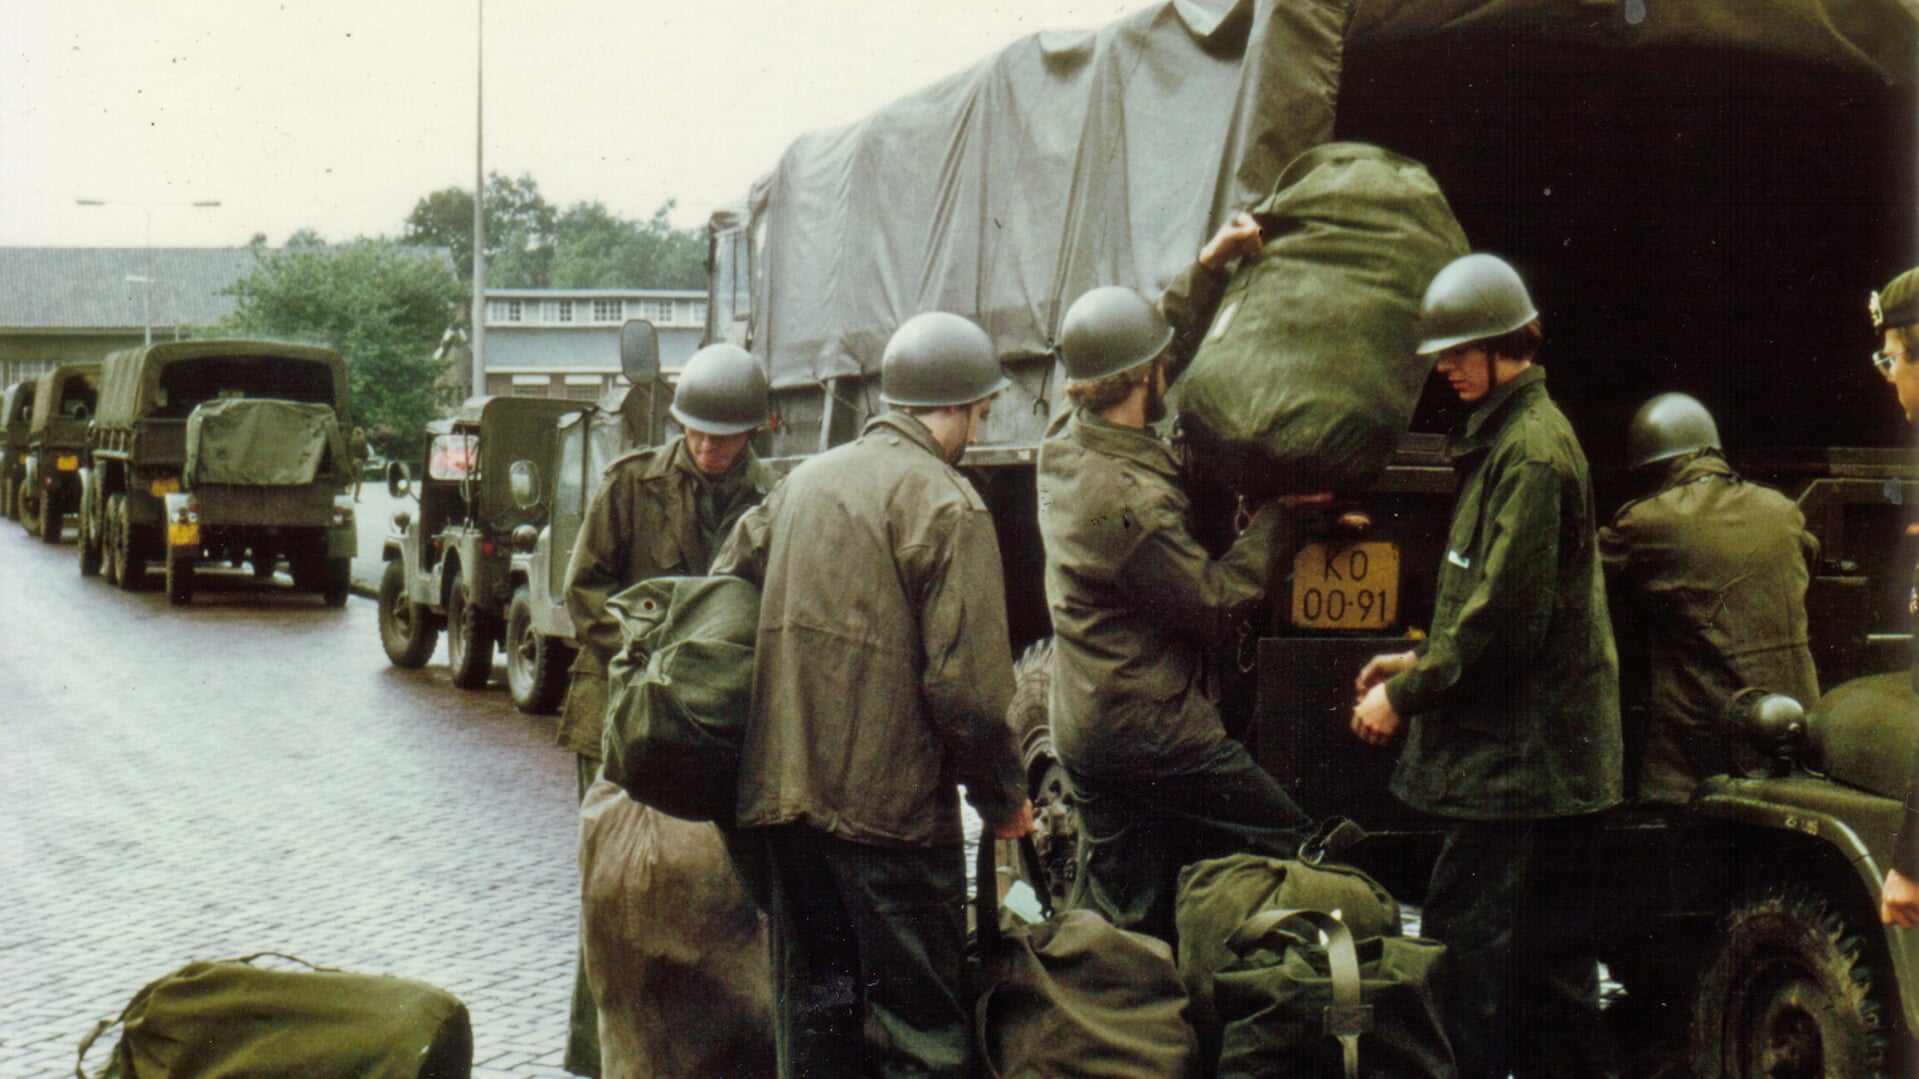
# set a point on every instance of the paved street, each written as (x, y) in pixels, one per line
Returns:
(249, 774)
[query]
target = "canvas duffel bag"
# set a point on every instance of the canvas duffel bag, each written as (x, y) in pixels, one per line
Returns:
(1306, 379)
(1217, 896)
(1303, 1000)
(679, 693)
(1073, 997)
(231, 1018)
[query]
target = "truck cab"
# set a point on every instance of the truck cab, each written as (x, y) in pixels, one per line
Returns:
(64, 400)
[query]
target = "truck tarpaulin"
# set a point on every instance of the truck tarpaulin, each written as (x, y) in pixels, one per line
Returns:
(262, 443)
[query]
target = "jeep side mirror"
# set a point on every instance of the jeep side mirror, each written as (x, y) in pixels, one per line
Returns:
(398, 483)
(524, 481)
(639, 352)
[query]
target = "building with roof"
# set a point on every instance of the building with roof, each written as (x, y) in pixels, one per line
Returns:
(566, 342)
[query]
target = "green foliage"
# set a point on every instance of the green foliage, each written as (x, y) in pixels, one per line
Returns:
(529, 244)
(380, 304)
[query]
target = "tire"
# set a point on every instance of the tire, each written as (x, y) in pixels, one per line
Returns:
(536, 665)
(53, 518)
(469, 640)
(1056, 824)
(336, 581)
(179, 578)
(26, 509)
(264, 563)
(1788, 994)
(126, 558)
(9, 505)
(407, 630)
(88, 542)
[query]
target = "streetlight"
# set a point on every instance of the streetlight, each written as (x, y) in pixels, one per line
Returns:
(146, 303)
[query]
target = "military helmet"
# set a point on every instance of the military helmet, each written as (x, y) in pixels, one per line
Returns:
(722, 391)
(939, 359)
(1897, 304)
(1475, 297)
(1109, 330)
(1668, 426)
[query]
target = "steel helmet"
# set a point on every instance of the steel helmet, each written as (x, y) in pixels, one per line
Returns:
(939, 359)
(1668, 426)
(1473, 298)
(1109, 330)
(722, 391)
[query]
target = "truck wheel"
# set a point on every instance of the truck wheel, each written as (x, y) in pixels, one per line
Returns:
(407, 631)
(536, 664)
(1788, 995)
(264, 563)
(88, 542)
(53, 518)
(469, 640)
(179, 578)
(336, 581)
(26, 509)
(9, 507)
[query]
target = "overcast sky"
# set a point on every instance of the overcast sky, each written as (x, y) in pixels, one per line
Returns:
(341, 114)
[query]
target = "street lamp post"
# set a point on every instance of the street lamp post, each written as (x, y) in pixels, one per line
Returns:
(146, 305)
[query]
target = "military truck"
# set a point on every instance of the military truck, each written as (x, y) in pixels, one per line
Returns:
(1701, 196)
(221, 451)
(16, 414)
(51, 475)
(485, 477)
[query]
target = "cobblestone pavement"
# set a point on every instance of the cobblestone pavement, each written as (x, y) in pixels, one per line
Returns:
(247, 774)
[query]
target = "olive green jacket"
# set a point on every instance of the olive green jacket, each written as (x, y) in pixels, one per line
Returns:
(655, 514)
(1710, 574)
(883, 668)
(1135, 599)
(1514, 701)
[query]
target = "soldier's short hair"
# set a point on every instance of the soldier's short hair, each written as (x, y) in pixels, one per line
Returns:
(1099, 394)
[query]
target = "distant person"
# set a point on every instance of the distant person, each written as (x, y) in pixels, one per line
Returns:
(1895, 315)
(1711, 572)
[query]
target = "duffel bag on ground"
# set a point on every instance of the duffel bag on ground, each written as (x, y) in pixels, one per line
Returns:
(1304, 1000)
(1072, 997)
(231, 1018)
(1306, 379)
(1216, 897)
(679, 693)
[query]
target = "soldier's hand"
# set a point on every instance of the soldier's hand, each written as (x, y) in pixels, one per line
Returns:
(1237, 238)
(1899, 901)
(1020, 826)
(1374, 719)
(1380, 668)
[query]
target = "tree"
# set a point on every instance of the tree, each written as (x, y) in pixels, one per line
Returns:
(519, 230)
(598, 249)
(381, 305)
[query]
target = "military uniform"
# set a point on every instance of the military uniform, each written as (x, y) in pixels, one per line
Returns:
(1712, 572)
(654, 514)
(1514, 732)
(882, 677)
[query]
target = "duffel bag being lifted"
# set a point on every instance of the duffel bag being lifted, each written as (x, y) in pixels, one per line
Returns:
(1306, 379)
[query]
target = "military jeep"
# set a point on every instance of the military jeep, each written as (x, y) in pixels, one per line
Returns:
(50, 469)
(450, 563)
(16, 415)
(220, 450)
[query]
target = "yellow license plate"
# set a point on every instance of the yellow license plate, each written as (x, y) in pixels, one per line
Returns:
(1346, 586)
(67, 463)
(179, 535)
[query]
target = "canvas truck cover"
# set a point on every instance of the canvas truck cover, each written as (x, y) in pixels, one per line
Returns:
(55, 400)
(132, 381)
(1071, 160)
(262, 443)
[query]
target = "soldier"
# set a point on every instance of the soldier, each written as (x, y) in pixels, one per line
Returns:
(1712, 570)
(882, 677)
(1895, 315)
(1513, 699)
(658, 511)
(1135, 600)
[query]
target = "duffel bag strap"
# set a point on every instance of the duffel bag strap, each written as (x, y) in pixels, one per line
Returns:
(1348, 1016)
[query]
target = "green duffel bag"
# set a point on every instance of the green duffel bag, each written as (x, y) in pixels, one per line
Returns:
(1216, 897)
(1074, 997)
(1303, 1000)
(1306, 379)
(679, 693)
(233, 1020)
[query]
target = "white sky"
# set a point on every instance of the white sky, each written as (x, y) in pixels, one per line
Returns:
(341, 114)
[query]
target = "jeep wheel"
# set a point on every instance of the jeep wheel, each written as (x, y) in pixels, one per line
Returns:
(1788, 995)
(180, 577)
(407, 631)
(53, 518)
(469, 640)
(535, 663)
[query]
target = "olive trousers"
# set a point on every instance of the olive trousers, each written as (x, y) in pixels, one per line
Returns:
(583, 1023)
(869, 958)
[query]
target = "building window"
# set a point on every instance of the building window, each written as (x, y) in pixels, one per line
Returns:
(503, 311)
(559, 310)
(699, 313)
(658, 312)
(583, 393)
(608, 311)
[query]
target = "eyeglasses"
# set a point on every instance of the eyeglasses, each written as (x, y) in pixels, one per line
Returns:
(1883, 360)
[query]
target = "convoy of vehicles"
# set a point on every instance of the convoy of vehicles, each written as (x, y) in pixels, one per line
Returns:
(16, 414)
(50, 468)
(220, 450)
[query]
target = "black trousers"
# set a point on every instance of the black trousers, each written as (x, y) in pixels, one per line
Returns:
(869, 958)
(1136, 834)
(1515, 904)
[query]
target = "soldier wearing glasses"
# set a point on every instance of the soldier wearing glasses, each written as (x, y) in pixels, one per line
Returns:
(1895, 315)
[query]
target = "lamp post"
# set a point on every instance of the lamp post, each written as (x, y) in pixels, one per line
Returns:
(146, 304)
